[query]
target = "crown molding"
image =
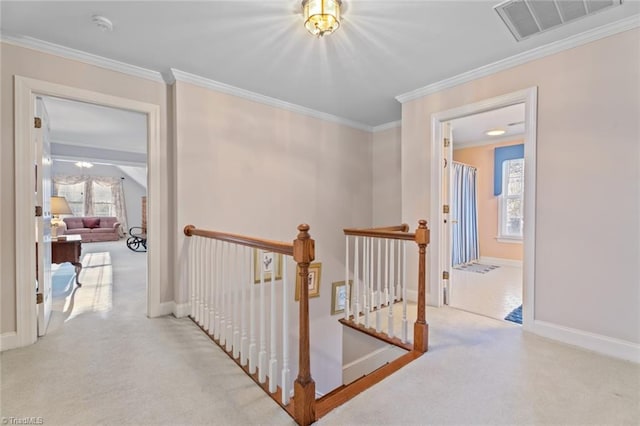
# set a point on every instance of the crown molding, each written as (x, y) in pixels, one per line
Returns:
(79, 55)
(607, 30)
(185, 77)
(387, 126)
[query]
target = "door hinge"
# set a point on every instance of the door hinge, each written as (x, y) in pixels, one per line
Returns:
(37, 122)
(445, 208)
(447, 142)
(39, 298)
(38, 211)
(445, 275)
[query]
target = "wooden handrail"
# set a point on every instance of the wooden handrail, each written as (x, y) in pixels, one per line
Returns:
(267, 245)
(380, 233)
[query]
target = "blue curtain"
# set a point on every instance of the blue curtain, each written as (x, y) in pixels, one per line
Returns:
(464, 206)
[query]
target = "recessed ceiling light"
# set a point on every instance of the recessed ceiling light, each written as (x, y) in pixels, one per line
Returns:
(84, 164)
(495, 132)
(103, 23)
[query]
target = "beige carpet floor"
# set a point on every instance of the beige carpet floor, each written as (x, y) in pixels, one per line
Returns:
(114, 366)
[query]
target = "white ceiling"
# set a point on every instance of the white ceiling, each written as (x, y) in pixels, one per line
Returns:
(87, 125)
(471, 130)
(382, 49)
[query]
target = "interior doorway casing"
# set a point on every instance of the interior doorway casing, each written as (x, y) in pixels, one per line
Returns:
(26, 89)
(530, 98)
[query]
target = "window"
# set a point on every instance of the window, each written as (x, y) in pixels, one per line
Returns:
(103, 201)
(74, 193)
(510, 216)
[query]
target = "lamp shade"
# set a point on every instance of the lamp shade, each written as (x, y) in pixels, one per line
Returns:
(59, 205)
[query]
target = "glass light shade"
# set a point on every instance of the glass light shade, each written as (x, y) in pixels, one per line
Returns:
(321, 16)
(59, 205)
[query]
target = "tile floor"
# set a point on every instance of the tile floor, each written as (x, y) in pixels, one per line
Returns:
(493, 294)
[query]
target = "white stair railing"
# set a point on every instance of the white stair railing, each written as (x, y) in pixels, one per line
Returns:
(239, 306)
(375, 261)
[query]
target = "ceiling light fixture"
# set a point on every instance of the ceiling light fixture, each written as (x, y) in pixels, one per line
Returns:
(495, 132)
(84, 165)
(321, 16)
(103, 23)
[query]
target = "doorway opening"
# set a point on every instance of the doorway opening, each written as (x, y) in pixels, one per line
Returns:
(441, 281)
(26, 92)
(98, 173)
(485, 184)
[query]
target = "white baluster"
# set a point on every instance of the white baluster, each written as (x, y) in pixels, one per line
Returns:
(202, 261)
(403, 284)
(237, 287)
(273, 361)
(217, 306)
(192, 275)
(285, 385)
(246, 283)
(386, 271)
(379, 264)
(207, 283)
(391, 287)
(224, 273)
(356, 280)
(347, 300)
(367, 281)
(398, 270)
(230, 285)
(198, 280)
(253, 348)
(212, 296)
(262, 355)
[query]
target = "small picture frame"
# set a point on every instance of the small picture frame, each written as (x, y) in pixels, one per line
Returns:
(268, 262)
(339, 296)
(315, 270)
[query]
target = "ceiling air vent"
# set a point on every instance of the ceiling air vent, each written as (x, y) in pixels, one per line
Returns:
(528, 17)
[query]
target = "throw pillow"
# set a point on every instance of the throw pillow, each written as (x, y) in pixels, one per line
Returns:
(91, 222)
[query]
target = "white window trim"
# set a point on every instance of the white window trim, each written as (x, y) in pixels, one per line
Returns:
(502, 237)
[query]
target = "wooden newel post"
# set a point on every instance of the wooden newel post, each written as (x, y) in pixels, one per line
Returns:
(304, 388)
(421, 328)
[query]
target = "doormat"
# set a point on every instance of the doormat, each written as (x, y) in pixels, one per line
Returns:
(476, 267)
(515, 315)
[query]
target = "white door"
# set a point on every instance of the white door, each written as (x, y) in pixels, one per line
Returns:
(446, 225)
(43, 220)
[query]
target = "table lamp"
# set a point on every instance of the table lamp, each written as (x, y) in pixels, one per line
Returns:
(59, 205)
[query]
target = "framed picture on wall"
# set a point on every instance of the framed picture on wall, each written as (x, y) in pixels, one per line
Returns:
(268, 263)
(339, 296)
(313, 282)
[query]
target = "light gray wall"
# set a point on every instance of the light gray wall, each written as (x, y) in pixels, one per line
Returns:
(133, 192)
(253, 169)
(387, 190)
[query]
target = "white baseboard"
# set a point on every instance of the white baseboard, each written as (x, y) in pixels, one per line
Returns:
(166, 308)
(604, 345)
(9, 340)
(500, 261)
(182, 310)
(369, 363)
(412, 295)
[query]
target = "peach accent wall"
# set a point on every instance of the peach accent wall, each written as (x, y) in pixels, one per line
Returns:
(481, 157)
(249, 168)
(588, 178)
(386, 177)
(34, 64)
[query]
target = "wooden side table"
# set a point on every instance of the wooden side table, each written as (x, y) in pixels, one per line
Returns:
(68, 250)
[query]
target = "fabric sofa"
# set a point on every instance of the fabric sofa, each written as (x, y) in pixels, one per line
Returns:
(91, 228)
